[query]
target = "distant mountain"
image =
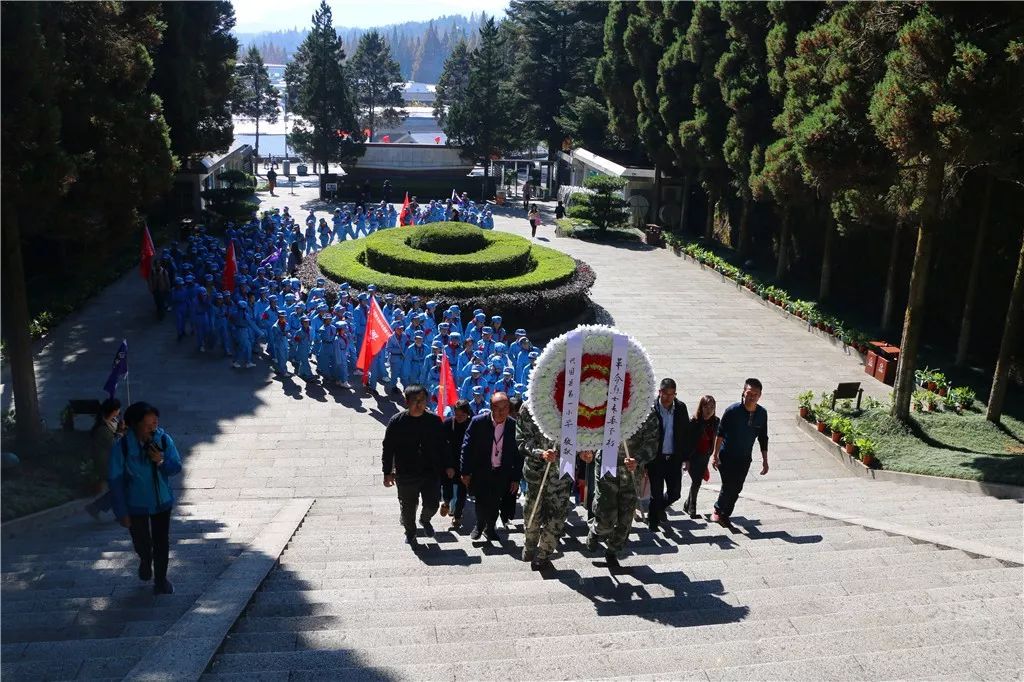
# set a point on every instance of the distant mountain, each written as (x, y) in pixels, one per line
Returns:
(419, 47)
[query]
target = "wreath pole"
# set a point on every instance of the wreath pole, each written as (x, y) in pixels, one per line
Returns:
(540, 494)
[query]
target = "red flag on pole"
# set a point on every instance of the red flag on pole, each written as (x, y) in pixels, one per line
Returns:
(386, 138)
(366, 134)
(437, 140)
(230, 267)
(146, 264)
(378, 331)
(447, 394)
(404, 216)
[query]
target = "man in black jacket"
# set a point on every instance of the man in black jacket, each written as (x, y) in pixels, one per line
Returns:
(491, 464)
(414, 457)
(666, 471)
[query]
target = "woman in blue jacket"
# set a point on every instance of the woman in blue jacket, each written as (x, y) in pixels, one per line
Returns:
(141, 464)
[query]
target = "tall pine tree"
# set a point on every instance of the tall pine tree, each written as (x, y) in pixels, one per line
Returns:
(254, 97)
(323, 99)
(451, 87)
(376, 84)
(193, 75)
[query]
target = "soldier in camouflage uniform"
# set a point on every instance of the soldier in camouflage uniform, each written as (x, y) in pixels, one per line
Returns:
(542, 536)
(615, 499)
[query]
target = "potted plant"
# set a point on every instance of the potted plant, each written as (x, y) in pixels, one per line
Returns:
(923, 377)
(941, 383)
(960, 398)
(840, 426)
(866, 448)
(918, 399)
(932, 401)
(821, 418)
(804, 400)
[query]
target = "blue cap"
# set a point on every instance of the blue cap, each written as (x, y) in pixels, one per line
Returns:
(417, 335)
(478, 390)
(281, 313)
(455, 336)
(445, 325)
(496, 319)
(179, 280)
(363, 296)
(431, 304)
(415, 299)
(479, 316)
(436, 343)
(304, 318)
(475, 368)
(372, 287)
(243, 303)
(343, 286)
(487, 330)
(500, 347)
(507, 371)
(272, 297)
(520, 332)
(320, 281)
(389, 297)
(534, 354)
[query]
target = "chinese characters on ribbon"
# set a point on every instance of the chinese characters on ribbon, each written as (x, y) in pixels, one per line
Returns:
(571, 403)
(613, 416)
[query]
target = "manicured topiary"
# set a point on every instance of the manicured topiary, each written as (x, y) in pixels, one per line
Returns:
(550, 289)
(446, 252)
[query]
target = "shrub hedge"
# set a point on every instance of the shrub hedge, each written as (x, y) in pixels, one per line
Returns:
(551, 293)
(351, 262)
(502, 255)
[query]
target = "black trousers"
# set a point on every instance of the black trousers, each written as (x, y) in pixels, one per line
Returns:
(666, 476)
(698, 465)
(507, 510)
(489, 488)
(151, 537)
(734, 473)
(411, 489)
(454, 488)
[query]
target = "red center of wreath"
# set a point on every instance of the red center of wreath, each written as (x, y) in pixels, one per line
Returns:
(592, 367)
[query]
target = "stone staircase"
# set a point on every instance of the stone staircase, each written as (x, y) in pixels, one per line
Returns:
(73, 608)
(790, 595)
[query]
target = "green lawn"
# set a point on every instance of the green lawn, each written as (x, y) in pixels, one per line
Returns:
(948, 444)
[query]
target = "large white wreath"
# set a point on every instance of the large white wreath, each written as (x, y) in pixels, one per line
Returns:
(547, 383)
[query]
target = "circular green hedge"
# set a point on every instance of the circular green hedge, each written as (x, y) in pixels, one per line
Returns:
(506, 264)
(447, 251)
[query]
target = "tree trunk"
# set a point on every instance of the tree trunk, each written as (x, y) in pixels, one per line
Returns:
(656, 204)
(744, 236)
(684, 203)
(889, 299)
(825, 285)
(972, 281)
(782, 266)
(997, 396)
(913, 320)
(257, 137)
(16, 332)
(709, 224)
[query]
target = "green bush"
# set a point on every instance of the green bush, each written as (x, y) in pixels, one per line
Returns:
(448, 238)
(391, 252)
(348, 262)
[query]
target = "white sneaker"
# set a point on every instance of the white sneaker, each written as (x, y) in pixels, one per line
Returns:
(236, 365)
(250, 364)
(345, 384)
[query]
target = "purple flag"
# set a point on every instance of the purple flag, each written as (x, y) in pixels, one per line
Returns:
(119, 370)
(272, 258)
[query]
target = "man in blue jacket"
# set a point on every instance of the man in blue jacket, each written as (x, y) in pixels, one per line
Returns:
(491, 464)
(141, 463)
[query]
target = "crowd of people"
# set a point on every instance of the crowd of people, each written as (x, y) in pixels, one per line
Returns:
(493, 456)
(263, 309)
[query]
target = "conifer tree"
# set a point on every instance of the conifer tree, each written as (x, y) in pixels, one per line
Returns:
(254, 97)
(376, 84)
(323, 98)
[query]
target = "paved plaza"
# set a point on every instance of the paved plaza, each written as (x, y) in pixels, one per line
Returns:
(289, 564)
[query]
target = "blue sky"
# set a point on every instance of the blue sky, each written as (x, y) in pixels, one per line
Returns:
(253, 16)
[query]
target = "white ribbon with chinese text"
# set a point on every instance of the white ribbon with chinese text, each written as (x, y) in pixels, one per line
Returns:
(571, 403)
(613, 415)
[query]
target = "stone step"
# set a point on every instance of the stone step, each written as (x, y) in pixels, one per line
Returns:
(654, 584)
(809, 574)
(86, 668)
(498, 659)
(447, 631)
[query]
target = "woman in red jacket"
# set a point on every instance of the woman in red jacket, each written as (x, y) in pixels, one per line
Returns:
(700, 445)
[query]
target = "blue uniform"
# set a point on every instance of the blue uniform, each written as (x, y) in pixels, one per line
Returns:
(303, 341)
(279, 347)
(412, 367)
(395, 352)
(325, 353)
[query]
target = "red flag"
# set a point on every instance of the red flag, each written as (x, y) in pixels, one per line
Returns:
(447, 394)
(386, 138)
(366, 133)
(147, 254)
(403, 216)
(378, 331)
(437, 140)
(230, 267)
